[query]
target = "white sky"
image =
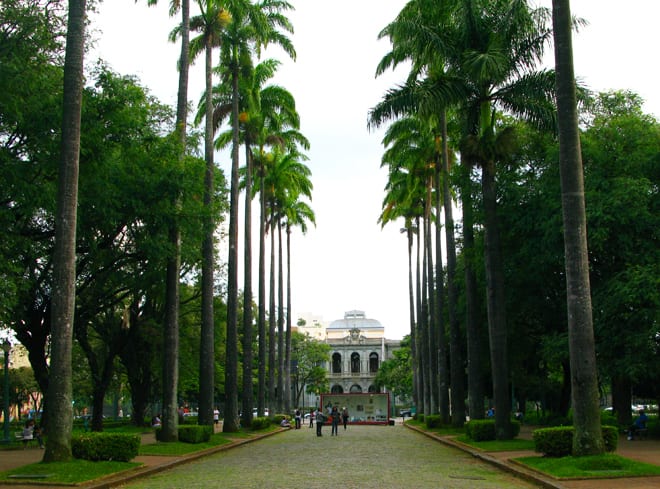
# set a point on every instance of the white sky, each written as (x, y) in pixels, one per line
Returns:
(347, 262)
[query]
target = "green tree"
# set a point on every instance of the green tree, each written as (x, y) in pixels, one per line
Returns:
(395, 375)
(308, 356)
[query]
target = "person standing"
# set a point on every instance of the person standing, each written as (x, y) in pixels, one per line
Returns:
(319, 421)
(297, 417)
(311, 417)
(334, 418)
(344, 416)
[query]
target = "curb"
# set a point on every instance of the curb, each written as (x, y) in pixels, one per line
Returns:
(513, 469)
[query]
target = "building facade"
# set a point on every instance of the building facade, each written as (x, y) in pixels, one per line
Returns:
(357, 348)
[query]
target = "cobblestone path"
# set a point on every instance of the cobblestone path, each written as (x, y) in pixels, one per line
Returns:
(361, 457)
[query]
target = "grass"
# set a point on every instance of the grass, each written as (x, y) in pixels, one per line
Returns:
(596, 466)
(72, 472)
(498, 445)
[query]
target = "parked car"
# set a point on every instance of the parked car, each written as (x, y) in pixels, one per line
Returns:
(405, 412)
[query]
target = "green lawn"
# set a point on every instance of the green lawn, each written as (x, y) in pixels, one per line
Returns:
(597, 466)
(72, 472)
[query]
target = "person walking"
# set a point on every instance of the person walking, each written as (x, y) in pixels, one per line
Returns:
(334, 418)
(319, 421)
(311, 417)
(344, 416)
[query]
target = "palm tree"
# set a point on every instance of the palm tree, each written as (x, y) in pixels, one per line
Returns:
(252, 27)
(584, 374)
(169, 417)
(210, 24)
(58, 446)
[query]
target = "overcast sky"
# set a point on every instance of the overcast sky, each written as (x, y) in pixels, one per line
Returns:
(347, 262)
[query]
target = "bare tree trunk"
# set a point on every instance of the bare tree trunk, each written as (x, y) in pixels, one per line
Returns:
(58, 446)
(263, 338)
(588, 439)
(247, 398)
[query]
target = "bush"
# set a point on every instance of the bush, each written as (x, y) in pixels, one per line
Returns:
(433, 421)
(419, 417)
(608, 418)
(260, 423)
(558, 441)
(277, 418)
(121, 447)
(481, 429)
(195, 433)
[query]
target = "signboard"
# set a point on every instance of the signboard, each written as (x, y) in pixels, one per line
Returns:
(363, 408)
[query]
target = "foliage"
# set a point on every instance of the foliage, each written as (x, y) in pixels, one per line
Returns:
(308, 355)
(105, 446)
(433, 421)
(558, 441)
(395, 374)
(195, 434)
(484, 429)
(260, 423)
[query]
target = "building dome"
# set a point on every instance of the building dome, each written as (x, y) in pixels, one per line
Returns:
(355, 320)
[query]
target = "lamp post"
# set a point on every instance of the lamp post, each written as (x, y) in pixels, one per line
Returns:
(6, 348)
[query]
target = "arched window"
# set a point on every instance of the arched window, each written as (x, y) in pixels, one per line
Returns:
(337, 389)
(372, 388)
(373, 362)
(336, 363)
(356, 388)
(355, 363)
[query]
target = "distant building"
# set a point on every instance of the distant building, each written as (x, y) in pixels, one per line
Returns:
(357, 348)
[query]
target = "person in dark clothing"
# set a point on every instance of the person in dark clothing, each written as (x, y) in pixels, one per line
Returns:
(319, 421)
(335, 416)
(344, 416)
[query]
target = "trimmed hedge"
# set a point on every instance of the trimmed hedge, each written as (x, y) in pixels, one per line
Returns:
(484, 429)
(433, 421)
(558, 441)
(195, 433)
(96, 446)
(260, 423)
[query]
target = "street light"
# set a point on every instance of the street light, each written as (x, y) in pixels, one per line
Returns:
(6, 348)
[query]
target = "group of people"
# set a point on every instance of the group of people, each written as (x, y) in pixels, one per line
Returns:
(334, 415)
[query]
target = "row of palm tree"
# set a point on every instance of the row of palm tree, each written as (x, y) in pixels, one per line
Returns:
(474, 65)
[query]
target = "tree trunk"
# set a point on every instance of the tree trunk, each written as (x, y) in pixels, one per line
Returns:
(170, 419)
(247, 397)
(280, 320)
(622, 400)
(230, 423)
(495, 302)
(287, 339)
(473, 333)
(263, 338)
(419, 330)
(455, 343)
(271, 318)
(588, 438)
(58, 446)
(207, 333)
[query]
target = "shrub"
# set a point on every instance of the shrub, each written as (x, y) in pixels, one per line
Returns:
(433, 421)
(653, 426)
(195, 433)
(277, 418)
(260, 423)
(554, 442)
(419, 417)
(558, 441)
(95, 446)
(481, 429)
(608, 418)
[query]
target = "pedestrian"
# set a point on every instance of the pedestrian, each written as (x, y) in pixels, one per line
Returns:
(216, 416)
(344, 416)
(297, 417)
(335, 416)
(311, 417)
(319, 421)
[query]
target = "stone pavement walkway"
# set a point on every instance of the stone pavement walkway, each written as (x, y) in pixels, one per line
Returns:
(294, 448)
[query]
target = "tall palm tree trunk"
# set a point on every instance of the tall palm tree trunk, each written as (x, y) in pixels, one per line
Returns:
(495, 298)
(263, 338)
(247, 397)
(588, 438)
(411, 306)
(421, 346)
(272, 339)
(433, 317)
(455, 344)
(230, 423)
(207, 336)
(472, 330)
(60, 389)
(170, 418)
(287, 339)
(426, 337)
(280, 320)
